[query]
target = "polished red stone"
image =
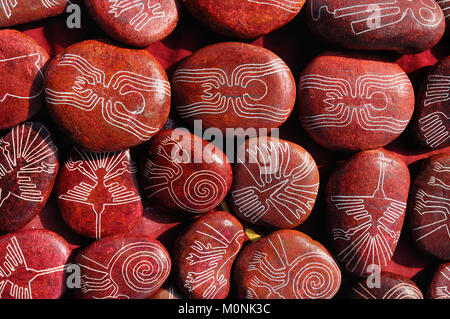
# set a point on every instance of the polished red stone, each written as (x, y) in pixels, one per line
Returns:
(167, 292)
(28, 169)
(32, 265)
(439, 287)
(13, 12)
(431, 121)
(122, 267)
(286, 264)
(22, 62)
(429, 207)
(401, 25)
(107, 98)
(137, 23)
(366, 202)
(246, 19)
(98, 193)
(234, 85)
(204, 254)
(182, 172)
(275, 183)
(389, 286)
(353, 102)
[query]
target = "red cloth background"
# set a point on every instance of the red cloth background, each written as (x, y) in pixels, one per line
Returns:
(296, 46)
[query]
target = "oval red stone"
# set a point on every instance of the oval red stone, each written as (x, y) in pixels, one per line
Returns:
(32, 265)
(22, 62)
(204, 254)
(137, 23)
(439, 287)
(13, 12)
(275, 183)
(429, 207)
(28, 169)
(286, 264)
(366, 200)
(183, 172)
(98, 193)
(401, 25)
(234, 85)
(351, 102)
(246, 19)
(107, 98)
(123, 267)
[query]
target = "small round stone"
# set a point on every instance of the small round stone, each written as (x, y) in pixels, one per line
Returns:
(107, 98)
(13, 12)
(439, 287)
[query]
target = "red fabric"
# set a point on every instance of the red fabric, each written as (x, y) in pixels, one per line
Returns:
(296, 46)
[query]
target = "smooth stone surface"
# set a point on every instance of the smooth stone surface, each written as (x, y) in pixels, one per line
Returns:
(182, 172)
(354, 102)
(13, 12)
(429, 207)
(275, 183)
(136, 23)
(204, 253)
(32, 265)
(366, 202)
(28, 169)
(234, 85)
(107, 98)
(400, 25)
(22, 62)
(98, 193)
(439, 287)
(391, 286)
(123, 267)
(286, 264)
(431, 121)
(167, 292)
(246, 19)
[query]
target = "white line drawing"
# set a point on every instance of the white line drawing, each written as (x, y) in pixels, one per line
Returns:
(442, 292)
(434, 128)
(14, 269)
(438, 208)
(201, 188)
(346, 104)
(277, 189)
(389, 12)
(400, 291)
(137, 267)
(434, 181)
(91, 90)
(243, 80)
(49, 3)
(440, 168)
(438, 89)
(445, 6)
(25, 156)
(8, 5)
(376, 214)
(210, 253)
(144, 10)
(292, 6)
(101, 171)
(309, 276)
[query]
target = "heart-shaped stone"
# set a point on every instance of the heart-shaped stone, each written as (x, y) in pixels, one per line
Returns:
(13, 12)
(439, 287)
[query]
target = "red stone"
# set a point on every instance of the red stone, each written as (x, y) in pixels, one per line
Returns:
(107, 98)
(246, 19)
(98, 193)
(429, 207)
(354, 102)
(400, 25)
(390, 286)
(182, 172)
(275, 183)
(445, 6)
(234, 85)
(366, 199)
(286, 264)
(23, 11)
(431, 121)
(167, 292)
(137, 23)
(439, 287)
(22, 62)
(204, 254)
(28, 169)
(32, 265)
(123, 267)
